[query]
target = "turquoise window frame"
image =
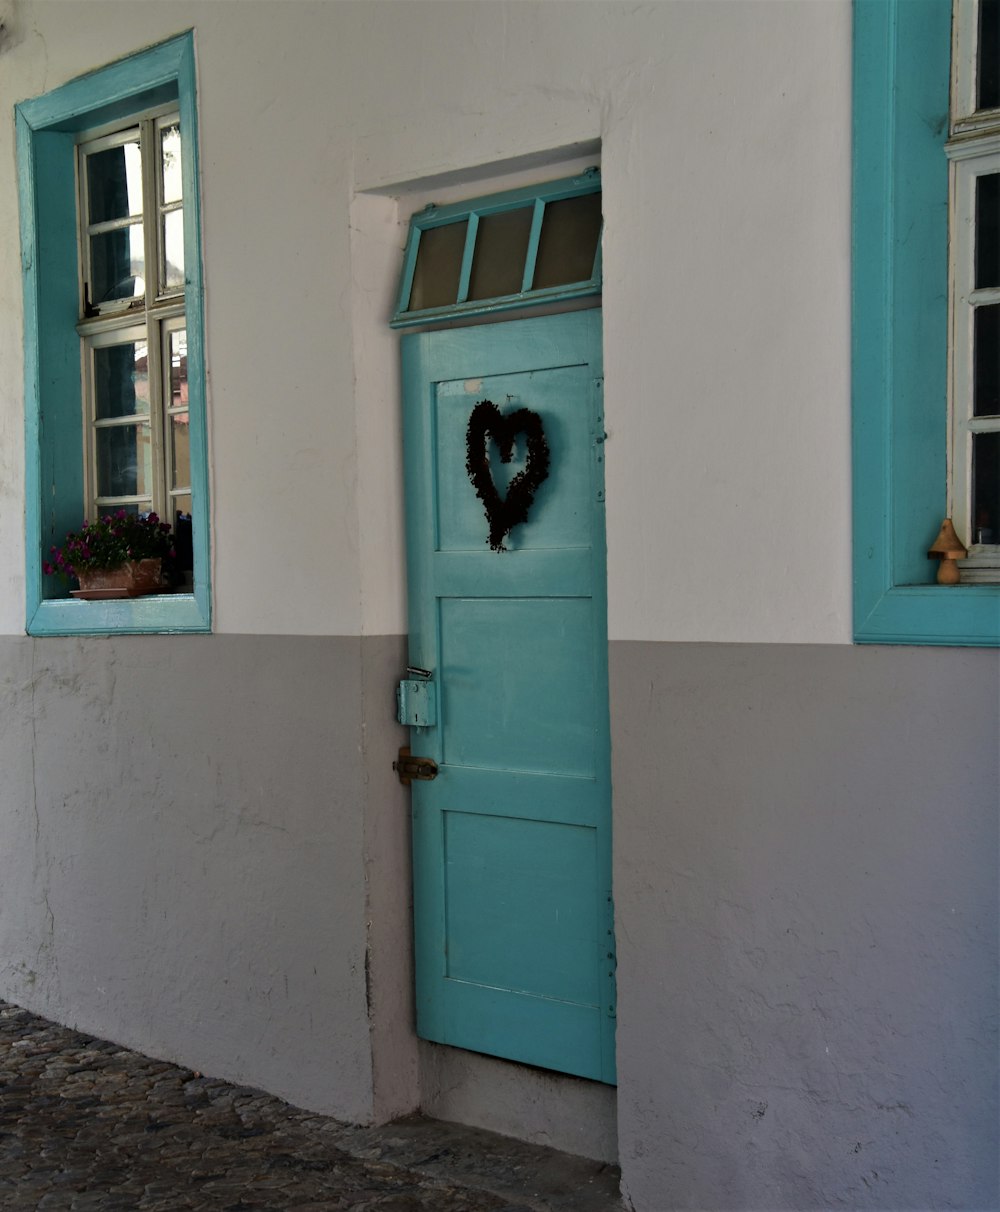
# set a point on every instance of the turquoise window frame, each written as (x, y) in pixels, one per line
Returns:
(47, 127)
(537, 196)
(902, 58)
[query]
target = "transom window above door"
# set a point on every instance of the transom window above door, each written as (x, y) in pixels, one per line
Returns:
(536, 244)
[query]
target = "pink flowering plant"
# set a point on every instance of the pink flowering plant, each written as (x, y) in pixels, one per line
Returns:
(110, 542)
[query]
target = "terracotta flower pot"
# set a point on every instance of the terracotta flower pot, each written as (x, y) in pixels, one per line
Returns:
(129, 580)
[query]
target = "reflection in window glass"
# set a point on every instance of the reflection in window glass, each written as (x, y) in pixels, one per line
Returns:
(439, 265)
(567, 245)
(170, 162)
(178, 369)
(114, 182)
(173, 249)
(117, 264)
(986, 395)
(107, 511)
(986, 488)
(121, 380)
(180, 441)
(124, 461)
(501, 249)
(988, 66)
(988, 230)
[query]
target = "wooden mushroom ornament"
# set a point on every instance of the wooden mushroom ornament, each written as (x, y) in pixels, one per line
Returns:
(947, 548)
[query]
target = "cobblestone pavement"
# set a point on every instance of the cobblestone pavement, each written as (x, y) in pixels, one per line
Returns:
(86, 1125)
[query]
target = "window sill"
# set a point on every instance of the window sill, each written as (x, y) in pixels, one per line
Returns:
(154, 614)
(982, 567)
(949, 615)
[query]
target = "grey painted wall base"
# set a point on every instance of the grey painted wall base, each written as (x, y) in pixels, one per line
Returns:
(182, 860)
(806, 898)
(543, 1108)
(389, 879)
(204, 855)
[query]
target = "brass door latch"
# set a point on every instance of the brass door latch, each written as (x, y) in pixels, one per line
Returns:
(409, 767)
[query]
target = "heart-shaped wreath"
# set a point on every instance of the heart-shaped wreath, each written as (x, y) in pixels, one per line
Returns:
(485, 421)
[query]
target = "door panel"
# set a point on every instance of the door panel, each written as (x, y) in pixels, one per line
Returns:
(513, 925)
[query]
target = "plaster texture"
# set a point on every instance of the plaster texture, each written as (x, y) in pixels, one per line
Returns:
(806, 898)
(550, 1109)
(182, 865)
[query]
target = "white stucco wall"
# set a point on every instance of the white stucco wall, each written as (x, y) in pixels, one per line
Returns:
(724, 133)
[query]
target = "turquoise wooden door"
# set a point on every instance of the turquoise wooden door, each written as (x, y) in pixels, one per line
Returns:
(512, 856)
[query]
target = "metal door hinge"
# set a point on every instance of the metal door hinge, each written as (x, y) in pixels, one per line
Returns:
(409, 767)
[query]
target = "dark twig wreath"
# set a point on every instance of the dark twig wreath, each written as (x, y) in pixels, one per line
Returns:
(485, 421)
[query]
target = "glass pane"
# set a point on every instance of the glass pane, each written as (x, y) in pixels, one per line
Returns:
(124, 461)
(106, 511)
(501, 248)
(121, 380)
(170, 162)
(117, 265)
(988, 230)
(439, 263)
(183, 533)
(568, 241)
(177, 353)
(180, 451)
(114, 182)
(173, 250)
(986, 487)
(986, 392)
(988, 67)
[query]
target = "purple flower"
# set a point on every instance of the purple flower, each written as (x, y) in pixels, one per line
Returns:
(47, 568)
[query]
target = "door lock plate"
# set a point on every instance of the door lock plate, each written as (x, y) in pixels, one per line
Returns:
(409, 767)
(416, 703)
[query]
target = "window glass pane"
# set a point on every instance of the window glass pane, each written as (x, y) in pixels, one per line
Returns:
(177, 353)
(107, 511)
(988, 67)
(170, 162)
(114, 182)
(121, 380)
(986, 487)
(173, 250)
(117, 265)
(986, 393)
(988, 230)
(439, 263)
(124, 461)
(501, 248)
(180, 451)
(182, 532)
(178, 418)
(568, 241)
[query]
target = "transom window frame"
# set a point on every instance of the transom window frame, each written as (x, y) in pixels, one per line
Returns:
(902, 74)
(48, 132)
(472, 210)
